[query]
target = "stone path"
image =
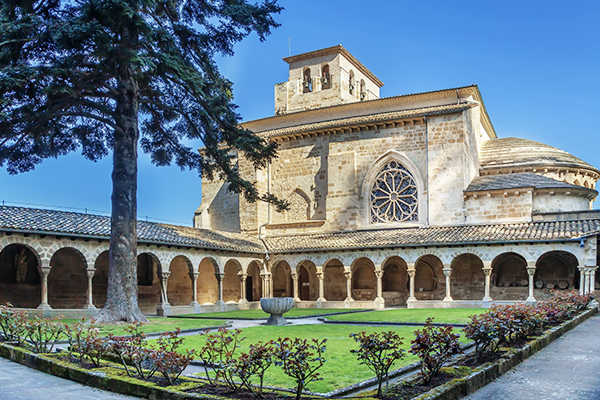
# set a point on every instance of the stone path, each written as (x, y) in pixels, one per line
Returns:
(18, 382)
(568, 368)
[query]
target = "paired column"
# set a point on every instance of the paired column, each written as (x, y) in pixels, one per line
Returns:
(487, 271)
(379, 301)
(593, 279)
(411, 285)
(219, 277)
(321, 277)
(348, 275)
(194, 277)
(163, 287)
(90, 302)
(581, 280)
(44, 271)
(295, 286)
(531, 273)
(243, 298)
(447, 272)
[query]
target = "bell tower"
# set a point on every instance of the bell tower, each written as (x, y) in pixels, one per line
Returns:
(323, 78)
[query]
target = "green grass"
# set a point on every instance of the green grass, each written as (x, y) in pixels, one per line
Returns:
(341, 368)
(414, 315)
(156, 325)
(258, 314)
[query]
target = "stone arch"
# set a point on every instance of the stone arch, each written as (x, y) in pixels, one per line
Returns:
(364, 282)
(208, 286)
(254, 282)
(325, 77)
(231, 281)
(282, 284)
(429, 279)
(179, 284)
(67, 280)
(556, 270)
(149, 272)
(334, 280)
(395, 281)
(374, 171)
(20, 282)
(307, 281)
(306, 81)
(509, 280)
(467, 279)
(363, 90)
(299, 206)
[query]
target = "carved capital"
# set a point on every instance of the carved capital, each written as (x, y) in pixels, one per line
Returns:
(165, 275)
(90, 273)
(378, 274)
(348, 274)
(294, 275)
(320, 275)
(411, 273)
(487, 271)
(447, 271)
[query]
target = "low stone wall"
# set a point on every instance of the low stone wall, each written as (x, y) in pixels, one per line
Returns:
(458, 388)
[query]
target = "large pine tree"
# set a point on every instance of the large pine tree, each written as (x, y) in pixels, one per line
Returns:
(100, 74)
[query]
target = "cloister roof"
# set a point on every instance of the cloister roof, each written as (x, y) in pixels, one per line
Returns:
(31, 220)
(520, 180)
(518, 153)
(431, 236)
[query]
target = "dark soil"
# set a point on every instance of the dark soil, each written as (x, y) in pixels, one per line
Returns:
(408, 391)
(241, 394)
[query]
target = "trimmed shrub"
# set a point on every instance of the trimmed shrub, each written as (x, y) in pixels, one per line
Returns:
(434, 345)
(300, 360)
(378, 351)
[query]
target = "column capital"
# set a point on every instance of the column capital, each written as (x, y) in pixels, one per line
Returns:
(243, 276)
(348, 274)
(320, 275)
(165, 274)
(531, 263)
(196, 275)
(447, 271)
(530, 270)
(378, 273)
(90, 273)
(411, 273)
(219, 275)
(45, 271)
(487, 264)
(294, 275)
(487, 271)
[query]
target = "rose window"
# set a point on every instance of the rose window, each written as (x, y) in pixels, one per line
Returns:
(394, 195)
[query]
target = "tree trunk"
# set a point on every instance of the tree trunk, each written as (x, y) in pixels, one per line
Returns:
(122, 293)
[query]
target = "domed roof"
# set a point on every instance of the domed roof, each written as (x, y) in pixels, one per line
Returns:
(518, 153)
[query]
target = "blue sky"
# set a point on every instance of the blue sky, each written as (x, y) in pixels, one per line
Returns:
(536, 63)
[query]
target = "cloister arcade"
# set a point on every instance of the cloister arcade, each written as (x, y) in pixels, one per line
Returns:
(56, 273)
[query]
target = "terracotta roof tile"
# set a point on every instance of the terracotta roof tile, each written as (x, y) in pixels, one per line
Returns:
(450, 235)
(76, 224)
(519, 180)
(367, 119)
(516, 153)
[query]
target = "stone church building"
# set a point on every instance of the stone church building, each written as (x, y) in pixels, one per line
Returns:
(410, 200)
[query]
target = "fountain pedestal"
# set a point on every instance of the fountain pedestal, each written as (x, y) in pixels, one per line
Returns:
(276, 306)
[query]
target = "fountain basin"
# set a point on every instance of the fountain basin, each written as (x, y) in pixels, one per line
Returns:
(276, 306)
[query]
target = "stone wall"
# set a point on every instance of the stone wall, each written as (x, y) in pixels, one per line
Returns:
(67, 281)
(499, 207)
(546, 202)
(208, 287)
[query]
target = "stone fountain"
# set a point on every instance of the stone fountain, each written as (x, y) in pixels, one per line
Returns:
(276, 306)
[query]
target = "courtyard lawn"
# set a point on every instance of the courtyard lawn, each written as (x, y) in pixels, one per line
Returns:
(156, 325)
(341, 368)
(260, 314)
(413, 315)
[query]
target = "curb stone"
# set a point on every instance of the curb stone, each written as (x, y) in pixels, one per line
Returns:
(460, 387)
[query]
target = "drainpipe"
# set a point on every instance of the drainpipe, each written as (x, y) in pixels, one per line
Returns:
(427, 167)
(260, 236)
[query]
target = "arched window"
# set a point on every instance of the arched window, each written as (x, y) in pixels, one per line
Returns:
(394, 195)
(363, 90)
(351, 83)
(325, 77)
(307, 84)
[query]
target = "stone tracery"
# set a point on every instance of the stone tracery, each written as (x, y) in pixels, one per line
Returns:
(394, 195)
